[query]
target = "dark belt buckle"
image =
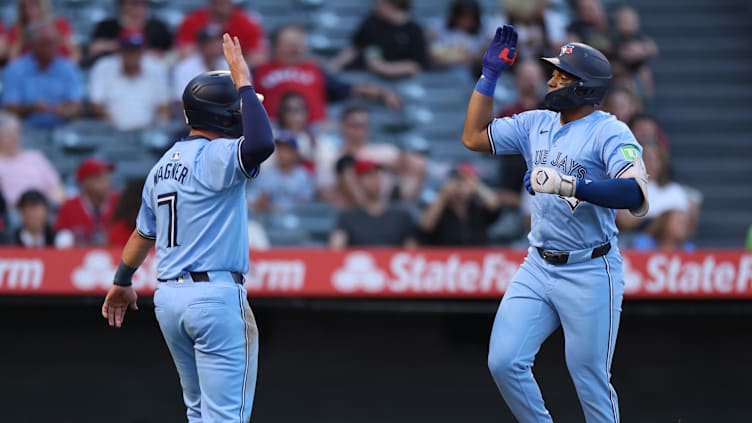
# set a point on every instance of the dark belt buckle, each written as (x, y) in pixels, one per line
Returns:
(553, 257)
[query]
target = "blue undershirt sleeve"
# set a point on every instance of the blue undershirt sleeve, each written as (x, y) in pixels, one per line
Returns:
(258, 140)
(622, 193)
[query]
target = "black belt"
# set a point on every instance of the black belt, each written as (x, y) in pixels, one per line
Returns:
(556, 257)
(204, 277)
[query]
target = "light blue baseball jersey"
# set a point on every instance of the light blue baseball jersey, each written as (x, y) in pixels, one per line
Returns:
(595, 147)
(194, 204)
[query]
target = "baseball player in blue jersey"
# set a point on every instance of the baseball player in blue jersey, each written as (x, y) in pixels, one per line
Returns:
(583, 164)
(194, 210)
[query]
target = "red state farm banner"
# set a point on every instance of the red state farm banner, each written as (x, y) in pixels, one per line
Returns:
(381, 273)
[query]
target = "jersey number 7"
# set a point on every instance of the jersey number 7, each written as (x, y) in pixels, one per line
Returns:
(170, 200)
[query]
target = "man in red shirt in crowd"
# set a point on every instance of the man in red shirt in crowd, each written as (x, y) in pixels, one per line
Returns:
(88, 215)
(228, 18)
(291, 69)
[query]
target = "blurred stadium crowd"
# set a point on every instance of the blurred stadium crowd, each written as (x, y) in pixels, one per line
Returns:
(367, 99)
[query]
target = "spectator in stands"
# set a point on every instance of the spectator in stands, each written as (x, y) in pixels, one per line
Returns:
(622, 103)
(32, 11)
(645, 127)
(668, 231)
(128, 89)
(42, 87)
(376, 222)
(388, 43)
(35, 230)
(89, 215)
(124, 217)
(590, 25)
(291, 69)
(317, 153)
(132, 15)
(460, 40)
(292, 117)
(286, 183)
(22, 170)
(633, 48)
(462, 211)
(230, 19)
(207, 57)
(355, 135)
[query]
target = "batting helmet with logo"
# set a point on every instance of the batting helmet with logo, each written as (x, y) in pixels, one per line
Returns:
(211, 102)
(589, 66)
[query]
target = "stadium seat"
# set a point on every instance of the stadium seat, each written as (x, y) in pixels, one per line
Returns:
(83, 135)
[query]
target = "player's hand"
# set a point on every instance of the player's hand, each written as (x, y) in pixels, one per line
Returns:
(501, 53)
(118, 300)
(549, 181)
(239, 72)
(526, 181)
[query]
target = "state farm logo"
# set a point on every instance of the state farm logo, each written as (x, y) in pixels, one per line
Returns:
(359, 272)
(689, 275)
(99, 267)
(408, 272)
(21, 273)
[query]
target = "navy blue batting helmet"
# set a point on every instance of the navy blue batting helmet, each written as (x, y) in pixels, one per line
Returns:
(593, 73)
(212, 102)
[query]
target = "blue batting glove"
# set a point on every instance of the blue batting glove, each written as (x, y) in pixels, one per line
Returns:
(528, 185)
(501, 53)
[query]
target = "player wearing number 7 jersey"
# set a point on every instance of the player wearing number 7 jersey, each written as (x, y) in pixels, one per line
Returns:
(194, 209)
(584, 164)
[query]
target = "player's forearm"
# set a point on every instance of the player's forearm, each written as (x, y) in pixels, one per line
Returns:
(479, 114)
(136, 250)
(257, 130)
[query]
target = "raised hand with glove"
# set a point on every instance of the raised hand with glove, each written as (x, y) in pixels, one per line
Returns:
(500, 55)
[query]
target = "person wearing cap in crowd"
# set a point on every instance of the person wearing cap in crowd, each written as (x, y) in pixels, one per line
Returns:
(208, 56)
(133, 15)
(129, 89)
(462, 211)
(286, 183)
(230, 19)
(35, 230)
(89, 214)
(376, 222)
(42, 87)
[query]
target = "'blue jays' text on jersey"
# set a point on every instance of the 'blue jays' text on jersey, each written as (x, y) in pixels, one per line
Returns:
(595, 147)
(194, 204)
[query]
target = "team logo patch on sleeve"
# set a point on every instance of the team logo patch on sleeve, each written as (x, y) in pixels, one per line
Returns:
(630, 152)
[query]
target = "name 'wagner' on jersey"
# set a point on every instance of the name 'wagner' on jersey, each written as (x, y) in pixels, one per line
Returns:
(193, 204)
